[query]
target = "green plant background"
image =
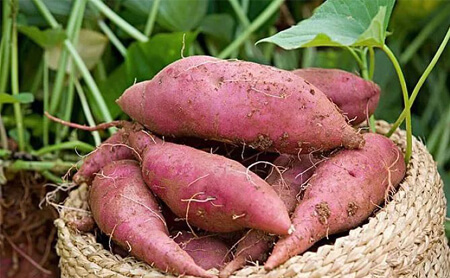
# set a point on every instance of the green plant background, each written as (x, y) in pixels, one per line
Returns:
(120, 42)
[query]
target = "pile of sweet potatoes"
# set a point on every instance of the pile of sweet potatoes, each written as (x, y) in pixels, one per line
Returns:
(231, 162)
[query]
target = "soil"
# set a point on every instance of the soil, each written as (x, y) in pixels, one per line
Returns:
(27, 233)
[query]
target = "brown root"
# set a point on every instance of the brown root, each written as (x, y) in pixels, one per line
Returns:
(102, 126)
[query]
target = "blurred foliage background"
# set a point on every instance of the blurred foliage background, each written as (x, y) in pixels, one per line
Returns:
(74, 58)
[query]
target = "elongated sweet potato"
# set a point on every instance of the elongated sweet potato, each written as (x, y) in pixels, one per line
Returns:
(356, 97)
(255, 245)
(205, 97)
(113, 149)
(343, 192)
(208, 251)
(125, 209)
(212, 192)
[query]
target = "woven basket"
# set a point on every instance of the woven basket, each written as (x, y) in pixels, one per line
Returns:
(404, 239)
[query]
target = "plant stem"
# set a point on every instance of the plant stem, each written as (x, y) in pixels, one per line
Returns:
(112, 37)
(6, 41)
(49, 176)
(151, 18)
(69, 106)
(87, 112)
(5, 154)
(65, 146)
(2, 47)
(76, 13)
(56, 166)
(3, 135)
(74, 35)
(364, 68)
(38, 77)
(366, 75)
(240, 13)
(424, 34)
(46, 14)
(419, 84)
(245, 5)
(125, 26)
(90, 83)
(371, 63)
(263, 17)
(402, 81)
(355, 55)
(15, 78)
(46, 98)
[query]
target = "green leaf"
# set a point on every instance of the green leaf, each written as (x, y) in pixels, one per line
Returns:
(219, 26)
(20, 98)
(60, 9)
(139, 7)
(339, 23)
(44, 38)
(14, 135)
(181, 15)
(142, 62)
(90, 46)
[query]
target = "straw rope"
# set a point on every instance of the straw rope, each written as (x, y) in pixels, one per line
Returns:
(404, 239)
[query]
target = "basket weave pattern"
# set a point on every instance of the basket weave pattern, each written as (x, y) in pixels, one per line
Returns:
(404, 239)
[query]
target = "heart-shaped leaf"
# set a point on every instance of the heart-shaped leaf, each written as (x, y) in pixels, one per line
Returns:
(220, 26)
(90, 46)
(181, 15)
(339, 23)
(44, 38)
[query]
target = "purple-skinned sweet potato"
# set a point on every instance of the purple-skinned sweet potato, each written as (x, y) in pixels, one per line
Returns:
(125, 209)
(255, 244)
(208, 251)
(343, 193)
(357, 98)
(210, 191)
(113, 149)
(239, 102)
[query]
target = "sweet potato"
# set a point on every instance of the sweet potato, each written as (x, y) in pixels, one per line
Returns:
(125, 209)
(208, 251)
(255, 245)
(113, 149)
(296, 171)
(239, 102)
(356, 97)
(343, 193)
(212, 192)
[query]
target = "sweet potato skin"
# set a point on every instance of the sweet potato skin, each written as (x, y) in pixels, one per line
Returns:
(255, 245)
(298, 170)
(205, 97)
(343, 193)
(125, 209)
(112, 149)
(356, 97)
(208, 251)
(212, 192)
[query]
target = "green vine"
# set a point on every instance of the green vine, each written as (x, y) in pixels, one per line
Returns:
(402, 81)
